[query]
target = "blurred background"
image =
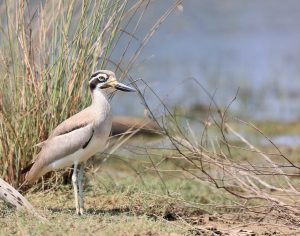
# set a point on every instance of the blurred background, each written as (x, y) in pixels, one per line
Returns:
(227, 45)
(233, 48)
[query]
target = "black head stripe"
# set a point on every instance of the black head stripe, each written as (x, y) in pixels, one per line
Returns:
(99, 75)
(93, 83)
(97, 79)
(95, 74)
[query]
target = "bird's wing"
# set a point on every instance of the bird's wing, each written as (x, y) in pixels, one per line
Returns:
(76, 121)
(60, 146)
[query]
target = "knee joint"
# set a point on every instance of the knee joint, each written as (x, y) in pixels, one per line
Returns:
(74, 178)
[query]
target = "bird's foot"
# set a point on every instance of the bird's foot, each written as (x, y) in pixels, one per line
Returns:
(80, 211)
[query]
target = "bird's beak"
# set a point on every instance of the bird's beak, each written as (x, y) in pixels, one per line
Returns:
(117, 85)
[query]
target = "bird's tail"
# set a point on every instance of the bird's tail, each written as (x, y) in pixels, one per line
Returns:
(26, 168)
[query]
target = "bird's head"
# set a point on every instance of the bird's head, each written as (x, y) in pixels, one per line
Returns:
(103, 79)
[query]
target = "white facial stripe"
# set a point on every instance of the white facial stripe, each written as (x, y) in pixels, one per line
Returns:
(98, 75)
(91, 80)
(102, 75)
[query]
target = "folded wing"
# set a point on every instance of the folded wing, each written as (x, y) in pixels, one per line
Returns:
(60, 146)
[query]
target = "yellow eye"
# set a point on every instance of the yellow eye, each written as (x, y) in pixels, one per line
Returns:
(102, 79)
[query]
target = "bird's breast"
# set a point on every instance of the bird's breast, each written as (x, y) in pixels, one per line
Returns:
(102, 127)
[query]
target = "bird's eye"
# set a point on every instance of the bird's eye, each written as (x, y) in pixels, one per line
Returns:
(102, 79)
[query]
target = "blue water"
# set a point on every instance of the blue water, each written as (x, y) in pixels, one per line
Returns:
(230, 44)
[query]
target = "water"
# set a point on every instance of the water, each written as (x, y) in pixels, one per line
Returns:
(250, 45)
(286, 140)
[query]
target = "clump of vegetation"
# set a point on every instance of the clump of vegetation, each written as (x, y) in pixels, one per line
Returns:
(219, 153)
(47, 52)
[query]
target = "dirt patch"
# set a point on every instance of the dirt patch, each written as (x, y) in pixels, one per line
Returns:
(230, 224)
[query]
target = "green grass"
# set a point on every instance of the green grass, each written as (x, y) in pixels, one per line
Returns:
(45, 61)
(123, 207)
(121, 204)
(279, 128)
(127, 195)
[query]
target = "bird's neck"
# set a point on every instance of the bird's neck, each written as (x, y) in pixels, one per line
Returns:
(99, 98)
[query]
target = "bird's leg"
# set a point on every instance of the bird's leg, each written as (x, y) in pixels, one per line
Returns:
(75, 186)
(80, 187)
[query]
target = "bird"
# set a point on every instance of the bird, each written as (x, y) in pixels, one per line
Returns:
(123, 125)
(79, 137)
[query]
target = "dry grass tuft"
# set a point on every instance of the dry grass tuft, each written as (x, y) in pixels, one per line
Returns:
(216, 151)
(47, 52)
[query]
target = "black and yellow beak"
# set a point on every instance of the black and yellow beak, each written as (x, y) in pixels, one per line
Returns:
(117, 85)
